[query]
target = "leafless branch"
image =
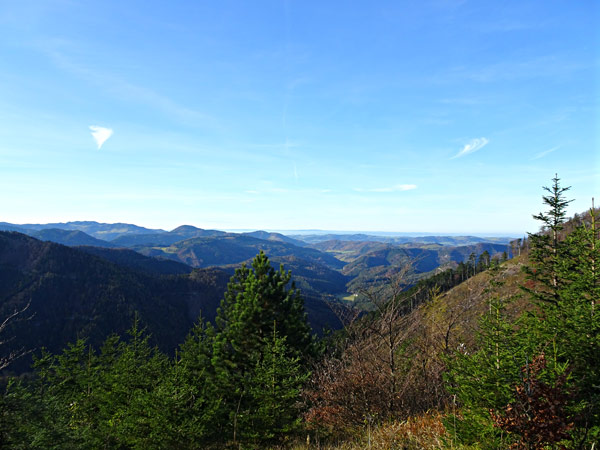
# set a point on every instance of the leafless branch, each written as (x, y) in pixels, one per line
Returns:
(17, 314)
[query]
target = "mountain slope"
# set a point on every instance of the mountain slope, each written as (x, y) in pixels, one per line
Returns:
(104, 231)
(313, 239)
(234, 249)
(370, 266)
(74, 294)
(275, 237)
(134, 260)
(164, 238)
(67, 237)
(460, 309)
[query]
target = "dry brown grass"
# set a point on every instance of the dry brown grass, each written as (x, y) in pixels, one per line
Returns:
(425, 432)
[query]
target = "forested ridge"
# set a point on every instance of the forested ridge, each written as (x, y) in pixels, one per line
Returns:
(493, 353)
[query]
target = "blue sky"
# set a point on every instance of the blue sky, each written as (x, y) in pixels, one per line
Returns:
(433, 116)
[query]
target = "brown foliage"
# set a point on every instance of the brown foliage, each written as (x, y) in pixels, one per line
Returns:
(347, 392)
(390, 365)
(389, 368)
(538, 414)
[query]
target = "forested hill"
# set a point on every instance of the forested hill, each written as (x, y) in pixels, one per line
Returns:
(68, 237)
(104, 231)
(134, 260)
(314, 239)
(234, 249)
(74, 294)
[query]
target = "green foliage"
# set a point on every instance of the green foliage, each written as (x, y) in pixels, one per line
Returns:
(572, 324)
(195, 409)
(547, 248)
(484, 379)
(273, 391)
(81, 398)
(257, 304)
(240, 382)
(563, 332)
(258, 300)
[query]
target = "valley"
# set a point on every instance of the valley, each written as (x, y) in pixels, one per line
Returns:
(92, 285)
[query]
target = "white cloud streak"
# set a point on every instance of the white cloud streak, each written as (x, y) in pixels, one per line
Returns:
(395, 188)
(544, 153)
(123, 89)
(472, 147)
(100, 134)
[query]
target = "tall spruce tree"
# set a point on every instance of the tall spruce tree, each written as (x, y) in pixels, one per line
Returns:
(562, 331)
(566, 287)
(259, 302)
(547, 245)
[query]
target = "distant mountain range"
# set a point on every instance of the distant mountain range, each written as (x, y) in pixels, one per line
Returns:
(356, 258)
(398, 240)
(127, 235)
(104, 231)
(103, 274)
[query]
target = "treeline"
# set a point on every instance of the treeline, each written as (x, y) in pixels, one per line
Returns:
(427, 288)
(235, 383)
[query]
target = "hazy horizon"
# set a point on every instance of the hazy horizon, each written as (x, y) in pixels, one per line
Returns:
(292, 232)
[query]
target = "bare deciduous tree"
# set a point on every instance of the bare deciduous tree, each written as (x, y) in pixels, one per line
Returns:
(7, 359)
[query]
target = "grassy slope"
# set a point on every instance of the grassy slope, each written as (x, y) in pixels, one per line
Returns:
(454, 314)
(463, 305)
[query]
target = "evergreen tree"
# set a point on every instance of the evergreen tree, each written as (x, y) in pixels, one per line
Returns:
(81, 399)
(484, 261)
(259, 302)
(570, 323)
(472, 264)
(274, 384)
(191, 397)
(483, 380)
(555, 347)
(134, 412)
(546, 246)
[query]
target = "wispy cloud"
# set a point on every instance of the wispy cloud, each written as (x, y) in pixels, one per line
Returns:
(471, 147)
(295, 172)
(288, 145)
(395, 188)
(544, 153)
(120, 87)
(561, 66)
(100, 134)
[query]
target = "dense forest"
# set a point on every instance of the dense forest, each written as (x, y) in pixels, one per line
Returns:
(498, 351)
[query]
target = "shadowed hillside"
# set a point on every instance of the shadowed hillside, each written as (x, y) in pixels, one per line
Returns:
(234, 249)
(74, 294)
